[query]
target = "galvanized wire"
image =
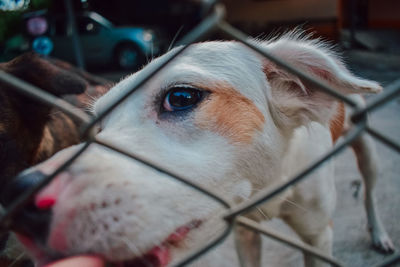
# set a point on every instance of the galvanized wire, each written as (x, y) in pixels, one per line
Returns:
(231, 215)
(267, 231)
(384, 139)
(42, 96)
(389, 94)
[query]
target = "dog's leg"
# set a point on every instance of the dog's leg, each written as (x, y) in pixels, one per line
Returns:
(309, 215)
(309, 208)
(318, 234)
(322, 241)
(248, 246)
(367, 160)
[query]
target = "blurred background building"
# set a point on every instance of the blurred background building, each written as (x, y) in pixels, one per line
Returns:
(127, 32)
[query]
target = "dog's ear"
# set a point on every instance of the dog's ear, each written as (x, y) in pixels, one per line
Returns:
(40, 72)
(295, 102)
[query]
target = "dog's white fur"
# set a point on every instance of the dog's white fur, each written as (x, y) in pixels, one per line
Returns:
(119, 208)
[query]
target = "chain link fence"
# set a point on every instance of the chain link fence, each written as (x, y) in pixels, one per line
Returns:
(214, 21)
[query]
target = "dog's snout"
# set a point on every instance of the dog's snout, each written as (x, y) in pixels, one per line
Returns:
(33, 219)
(19, 185)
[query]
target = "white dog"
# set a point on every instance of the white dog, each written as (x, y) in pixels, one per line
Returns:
(229, 119)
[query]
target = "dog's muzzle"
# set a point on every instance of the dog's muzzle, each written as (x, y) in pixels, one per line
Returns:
(32, 220)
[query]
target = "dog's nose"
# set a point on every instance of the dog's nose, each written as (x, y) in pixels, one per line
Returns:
(34, 219)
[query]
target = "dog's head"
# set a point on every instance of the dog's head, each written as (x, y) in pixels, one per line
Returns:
(220, 115)
(22, 119)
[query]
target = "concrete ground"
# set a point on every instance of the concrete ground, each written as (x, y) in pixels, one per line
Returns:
(352, 244)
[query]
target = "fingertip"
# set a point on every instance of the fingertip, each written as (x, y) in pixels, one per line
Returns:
(84, 261)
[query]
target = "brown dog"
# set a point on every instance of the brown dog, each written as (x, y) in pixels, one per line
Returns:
(31, 132)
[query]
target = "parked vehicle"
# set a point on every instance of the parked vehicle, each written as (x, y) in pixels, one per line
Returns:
(103, 43)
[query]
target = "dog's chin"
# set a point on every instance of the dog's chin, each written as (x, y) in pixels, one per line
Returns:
(158, 256)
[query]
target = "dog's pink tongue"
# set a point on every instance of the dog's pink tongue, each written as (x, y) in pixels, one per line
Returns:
(157, 257)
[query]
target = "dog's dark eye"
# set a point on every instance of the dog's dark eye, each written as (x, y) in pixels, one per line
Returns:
(181, 98)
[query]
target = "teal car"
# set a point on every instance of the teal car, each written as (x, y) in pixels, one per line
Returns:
(103, 43)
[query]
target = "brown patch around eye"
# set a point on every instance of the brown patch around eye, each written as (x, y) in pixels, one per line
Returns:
(230, 114)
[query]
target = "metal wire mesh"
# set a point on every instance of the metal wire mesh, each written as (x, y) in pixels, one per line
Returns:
(213, 21)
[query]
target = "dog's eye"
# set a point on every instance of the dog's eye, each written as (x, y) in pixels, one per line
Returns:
(181, 98)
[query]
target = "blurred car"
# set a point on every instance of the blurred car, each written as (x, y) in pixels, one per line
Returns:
(103, 43)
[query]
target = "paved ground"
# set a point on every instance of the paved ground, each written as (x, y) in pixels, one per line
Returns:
(351, 241)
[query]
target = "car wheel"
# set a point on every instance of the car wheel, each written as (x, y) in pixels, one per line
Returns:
(128, 56)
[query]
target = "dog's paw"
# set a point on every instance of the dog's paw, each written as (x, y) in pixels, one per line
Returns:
(382, 243)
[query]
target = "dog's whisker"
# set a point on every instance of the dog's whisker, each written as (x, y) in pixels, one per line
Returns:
(90, 105)
(91, 97)
(264, 214)
(261, 36)
(17, 259)
(132, 247)
(282, 198)
(11, 246)
(55, 112)
(294, 204)
(152, 51)
(175, 37)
